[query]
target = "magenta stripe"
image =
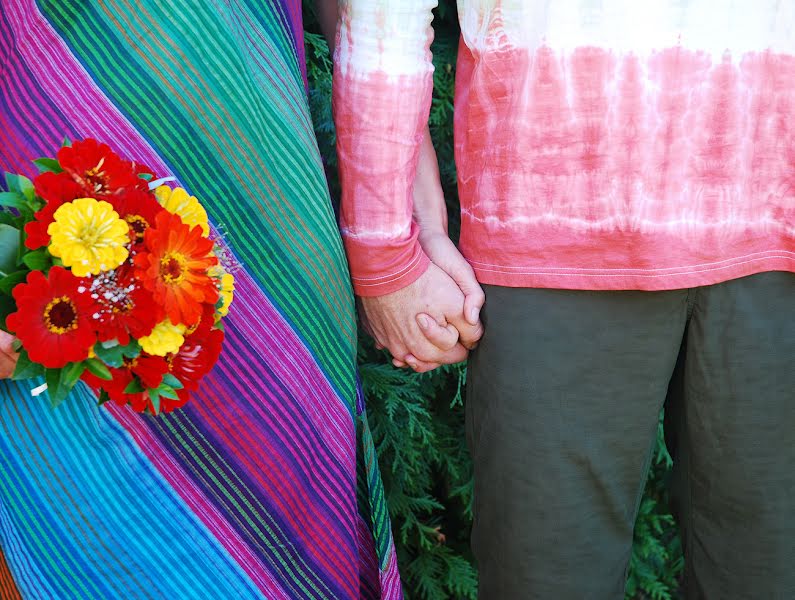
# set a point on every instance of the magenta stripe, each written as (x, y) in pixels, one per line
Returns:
(89, 112)
(269, 472)
(391, 588)
(14, 150)
(307, 525)
(195, 499)
(296, 493)
(293, 364)
(299, 445)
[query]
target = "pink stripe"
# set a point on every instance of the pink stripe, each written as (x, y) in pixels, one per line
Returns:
(199, 504)
(309, 526)
(83, 104)
(391, 588)
(12, 149)
(293, 364)
(234, 368)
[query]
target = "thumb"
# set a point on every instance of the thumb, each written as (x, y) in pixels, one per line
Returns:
(474, 298)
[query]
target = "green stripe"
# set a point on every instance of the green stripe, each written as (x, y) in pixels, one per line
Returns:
(321, 312)
(188, 440)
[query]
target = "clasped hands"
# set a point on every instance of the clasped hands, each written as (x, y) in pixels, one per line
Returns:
(436, 319)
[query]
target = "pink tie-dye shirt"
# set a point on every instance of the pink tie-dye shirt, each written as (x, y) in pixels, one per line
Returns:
(600, 144)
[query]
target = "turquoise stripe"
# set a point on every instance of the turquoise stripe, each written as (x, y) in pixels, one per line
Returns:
(152, 538)
(26, 571)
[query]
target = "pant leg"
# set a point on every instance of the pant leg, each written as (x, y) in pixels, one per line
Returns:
(735, 453)
(563, 398)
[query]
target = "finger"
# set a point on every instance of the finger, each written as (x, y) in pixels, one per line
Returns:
(420, 366)
(473, 302)
(426, 352)
(474, 298)
(6, 342)
(399, 363)
(444, 338)
(470, 335)
(7, 367)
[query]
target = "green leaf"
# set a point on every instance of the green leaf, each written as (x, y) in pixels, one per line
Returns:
(103, 397)
(98, 368)
(72, 373)
(67, 143)
(26, 368)
(154, 396)
(134, 387)
(7, 306)
(9, 249)
(26, 187)
(173, 382)
(48, 164)
(9, 282)
(7, 218)
(167, 391)
(56, 389)
(131, 350)
(12, 183)
(38, 260)
(113, 356)
(12, 200)
(145, 176)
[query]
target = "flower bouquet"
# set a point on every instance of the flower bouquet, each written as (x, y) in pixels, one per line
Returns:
(109, 276)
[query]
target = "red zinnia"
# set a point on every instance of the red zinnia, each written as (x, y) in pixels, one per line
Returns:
(55, 189)
(148, 369)
(175, 268)
(198, 355)
(139, 209)
(53, 319)
(98, 170)
(123, 307)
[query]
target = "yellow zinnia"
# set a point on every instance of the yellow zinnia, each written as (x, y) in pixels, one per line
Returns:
(164, 339)
(226, 288)
(88, 236)
(189, 209)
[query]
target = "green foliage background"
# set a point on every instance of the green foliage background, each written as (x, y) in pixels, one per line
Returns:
(418, 420)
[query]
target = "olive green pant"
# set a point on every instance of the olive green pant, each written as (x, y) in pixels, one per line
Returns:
(562, 410)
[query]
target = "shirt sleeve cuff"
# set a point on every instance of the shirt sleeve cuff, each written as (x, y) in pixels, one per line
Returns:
(379, 268)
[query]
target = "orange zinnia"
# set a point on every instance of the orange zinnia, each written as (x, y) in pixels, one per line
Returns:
(174, 267)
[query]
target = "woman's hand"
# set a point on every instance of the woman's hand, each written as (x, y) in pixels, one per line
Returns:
(8, 356)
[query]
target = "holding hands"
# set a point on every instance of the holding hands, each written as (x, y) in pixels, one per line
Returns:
(436, 319)
(433, 321)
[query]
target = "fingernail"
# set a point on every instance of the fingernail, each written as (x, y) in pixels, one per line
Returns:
(424, 323)
(473, 315)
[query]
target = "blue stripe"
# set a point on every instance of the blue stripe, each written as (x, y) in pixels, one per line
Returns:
(157, 536)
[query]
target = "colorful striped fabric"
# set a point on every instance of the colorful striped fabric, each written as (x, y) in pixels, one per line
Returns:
(251, 491)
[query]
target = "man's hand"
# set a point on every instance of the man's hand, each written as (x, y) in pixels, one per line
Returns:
(443, 253)
(417, 324)
(8, 357)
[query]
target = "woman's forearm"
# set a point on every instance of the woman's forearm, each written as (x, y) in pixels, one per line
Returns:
(327, 15)
(430, 209)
